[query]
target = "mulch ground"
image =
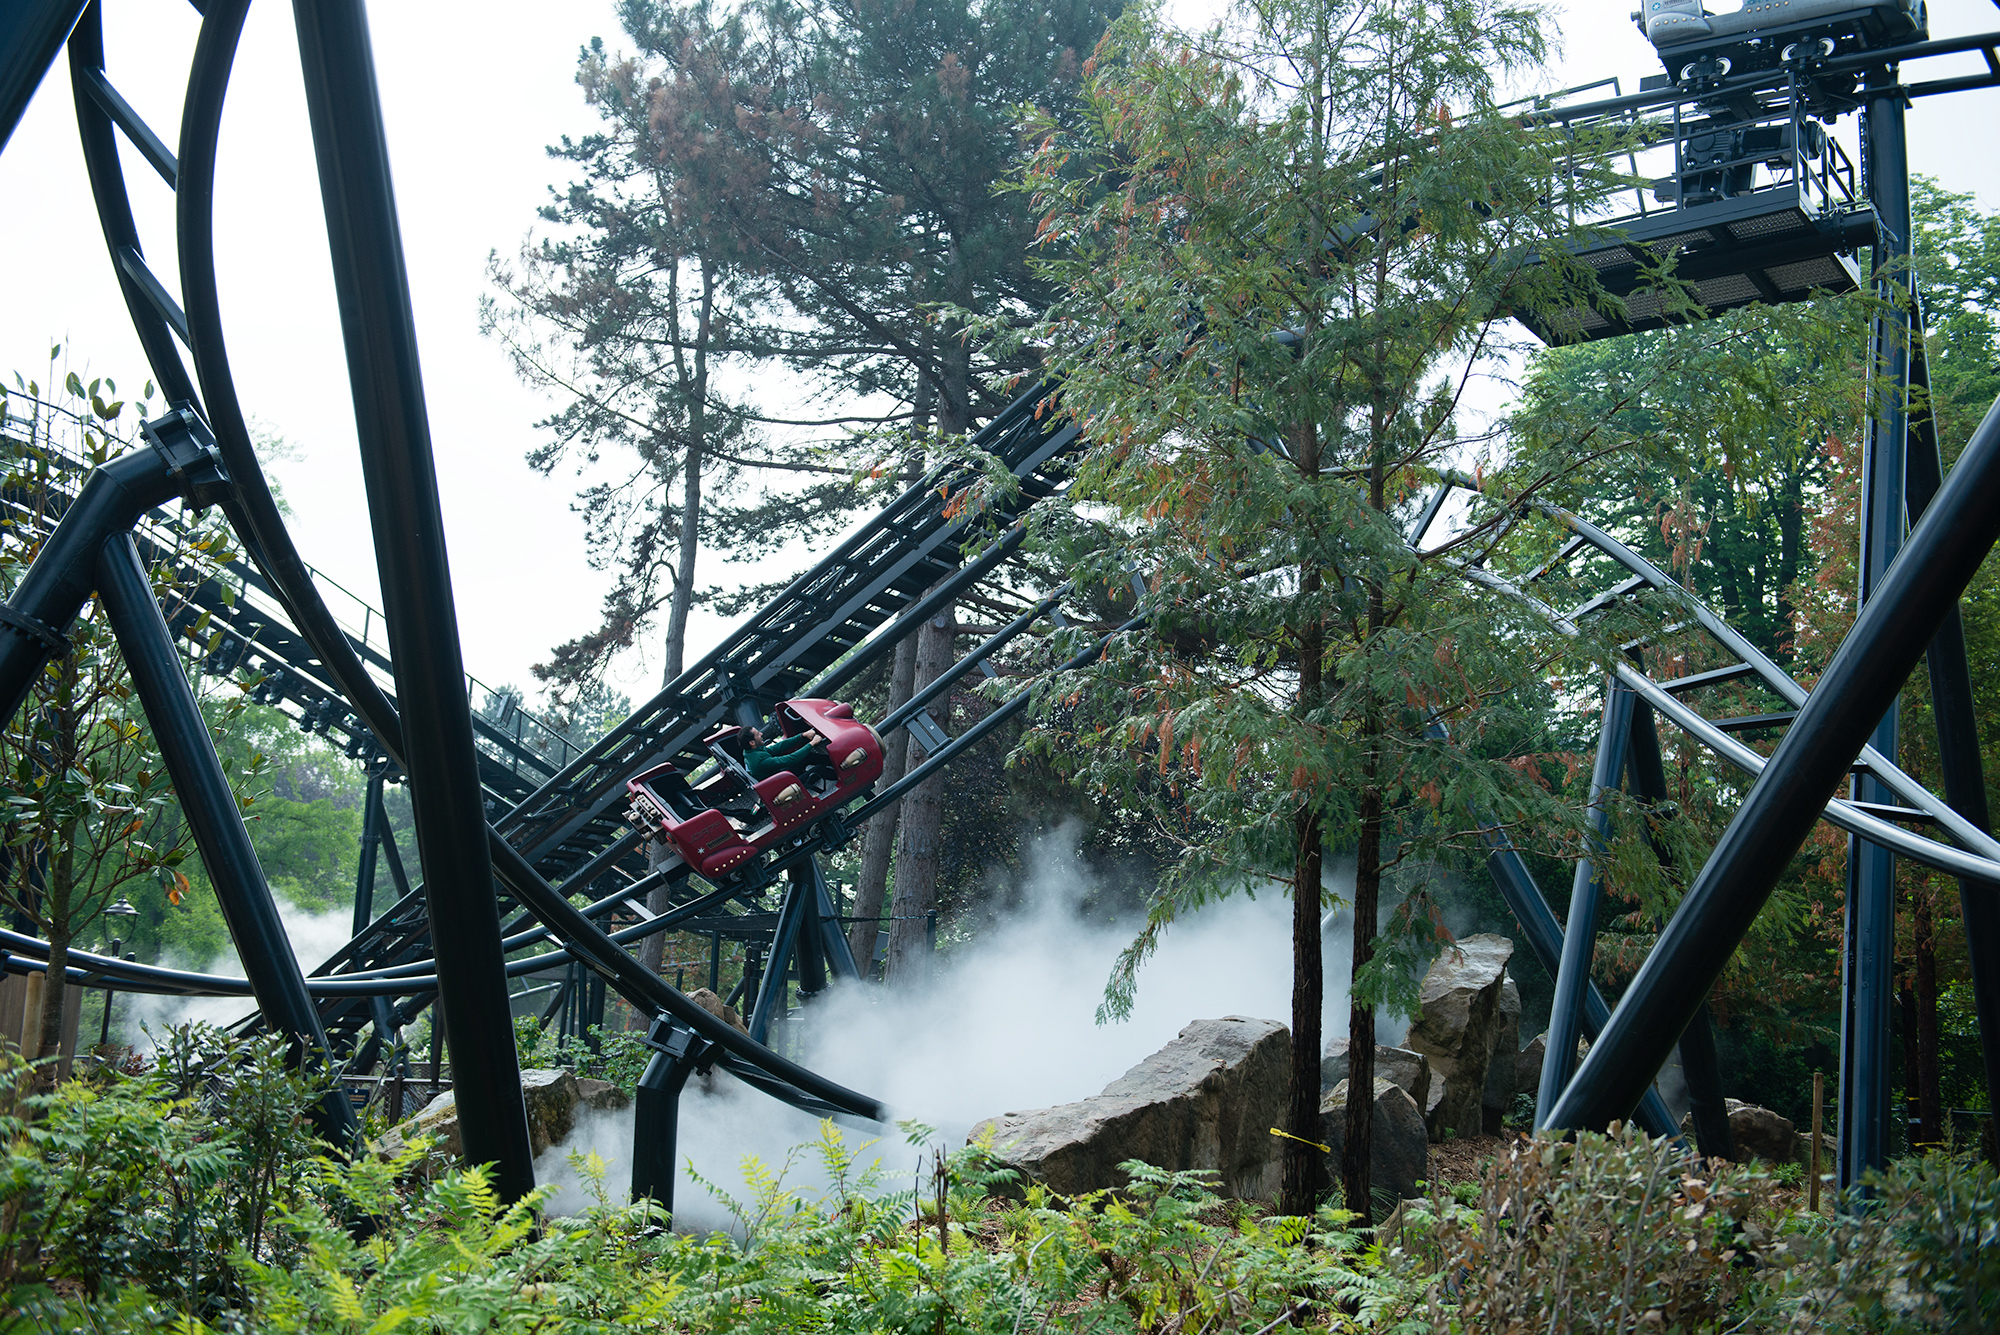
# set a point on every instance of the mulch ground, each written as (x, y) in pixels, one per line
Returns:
(1464, 1158)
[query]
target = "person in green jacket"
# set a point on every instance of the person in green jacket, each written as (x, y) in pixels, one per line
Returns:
(781, 754)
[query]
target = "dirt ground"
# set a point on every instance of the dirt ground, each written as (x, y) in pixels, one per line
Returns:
(1462, 1159)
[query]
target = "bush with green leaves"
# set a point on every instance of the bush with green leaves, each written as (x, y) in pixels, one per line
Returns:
(1606, 1233)
(192, 1197)
(155, 1180)
(1919, 1251)
(617, 1055)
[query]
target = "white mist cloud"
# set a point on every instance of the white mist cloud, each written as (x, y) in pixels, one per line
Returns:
(1008, 1023)
(314, 936)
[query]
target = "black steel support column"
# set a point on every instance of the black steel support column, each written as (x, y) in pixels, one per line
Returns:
(593, 1010)
(1892, 632)
(371, 844)
(31, 32)
(1870, 927)
(408, 525)
(656, 1110)
(1958, 739)
(49, 597)
(394, 855)
(833, 939)
(1544, 938)
(1586, 890)
(1699, 1065)
(810, 947)
(216, 821)
(770, 1002)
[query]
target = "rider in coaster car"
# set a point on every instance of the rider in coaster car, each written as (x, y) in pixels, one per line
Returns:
(781, 753)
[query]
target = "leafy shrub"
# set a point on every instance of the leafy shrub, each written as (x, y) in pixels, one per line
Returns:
(1610, 1233)
(1920, 1253)
(617, 1055)
(192, 1197)
(155, 1179)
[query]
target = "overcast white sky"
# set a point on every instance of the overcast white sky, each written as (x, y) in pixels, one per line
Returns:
(471, 95)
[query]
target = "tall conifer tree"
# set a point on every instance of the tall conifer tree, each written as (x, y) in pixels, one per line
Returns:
(1285, 248)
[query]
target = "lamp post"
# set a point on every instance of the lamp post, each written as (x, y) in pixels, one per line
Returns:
(122, 909)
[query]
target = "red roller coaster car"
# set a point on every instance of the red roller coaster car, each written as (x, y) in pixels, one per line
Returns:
(720, 821)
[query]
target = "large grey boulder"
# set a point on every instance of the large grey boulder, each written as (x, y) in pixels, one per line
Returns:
(1528, 1065)
(1411, 1071)
(717, 1007)
(1208, 1100)
(1501, 1071)
(553, 1099)
(1398, 1146)
(1528, 1062)
(1457, 1026)
(1760, 1133)
(1829, 1150)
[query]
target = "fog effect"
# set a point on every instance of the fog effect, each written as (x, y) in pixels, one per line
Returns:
(314, 937)
(1007, 1024)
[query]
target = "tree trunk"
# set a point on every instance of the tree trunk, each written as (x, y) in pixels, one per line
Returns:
(1305, 1163)
(653, 950)
(1356, 1184)
(694, 387)
(1906, 1024)
(1357, 1151)
(880, 840)
(55, 995)
(1305, 1166)
(683, 599)
(879, 845)
(922, 821)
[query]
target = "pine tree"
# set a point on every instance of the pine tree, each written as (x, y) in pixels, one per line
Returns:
(1285, 249)
(643, 321)
(850, 164)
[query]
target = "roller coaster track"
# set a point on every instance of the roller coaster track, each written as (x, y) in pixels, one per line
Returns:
(554, 829)
(821, 631)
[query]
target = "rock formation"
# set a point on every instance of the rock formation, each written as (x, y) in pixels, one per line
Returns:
(1528, 1063)
(1458, 1028)
(1398, 1146)
(1208, 1100)
(1501, 1086)
(1411, 1071)
(717, 1007)
(553, 1099)
(1760, 1133)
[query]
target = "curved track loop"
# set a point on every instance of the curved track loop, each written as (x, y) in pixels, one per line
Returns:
(253, 512)
(561, 819)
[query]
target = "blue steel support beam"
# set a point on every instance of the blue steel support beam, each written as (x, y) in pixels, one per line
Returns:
(1958, 738)
(1866, 674)
(217, 823)
(393, 427)
(1580, 936)
(1868, 957)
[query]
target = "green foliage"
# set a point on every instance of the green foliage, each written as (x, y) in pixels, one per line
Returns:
(191, 1196)
(86, 813)
(1608, 1234)
(617, 1055)
(1921, 1252)
(154, 1181)
(1306, 676)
